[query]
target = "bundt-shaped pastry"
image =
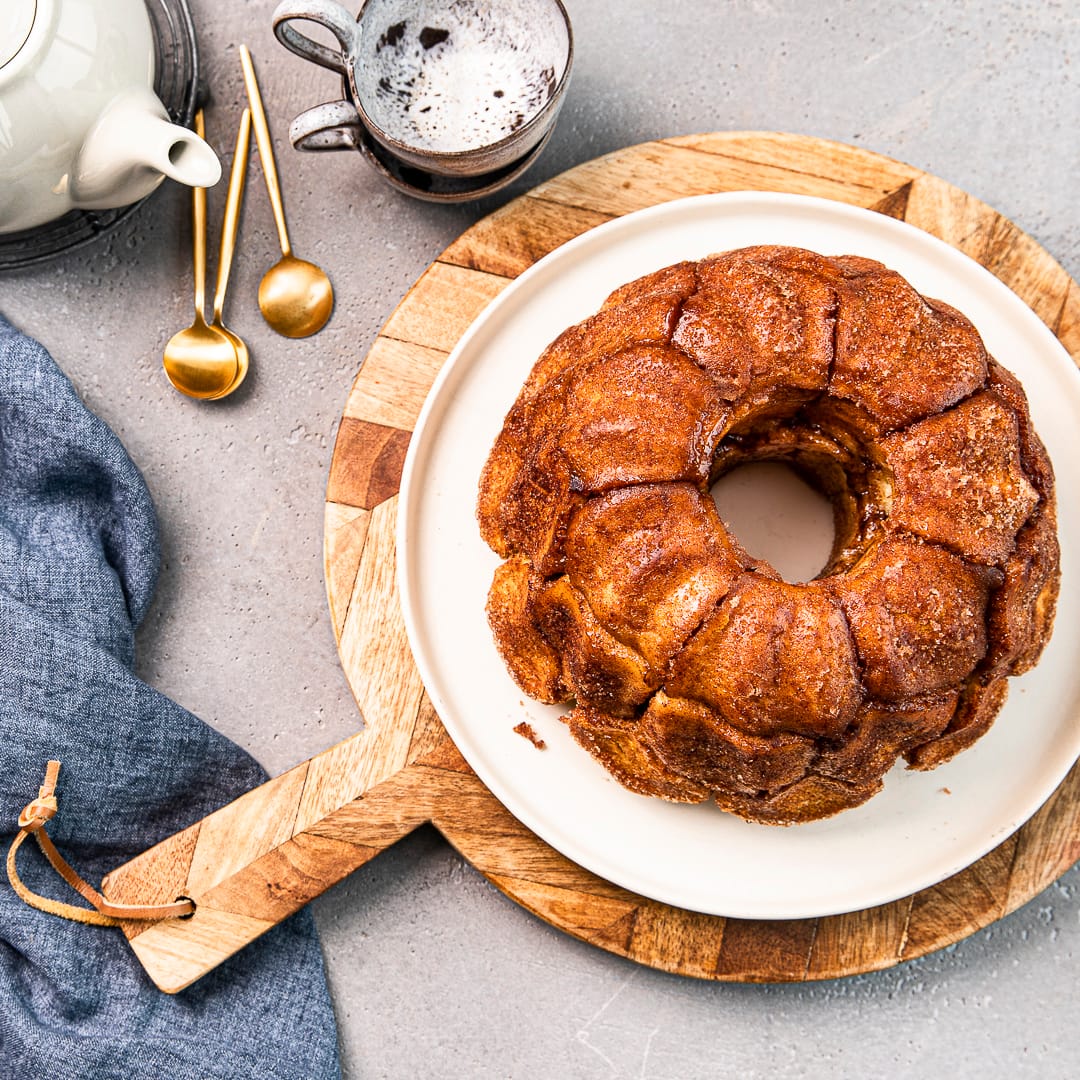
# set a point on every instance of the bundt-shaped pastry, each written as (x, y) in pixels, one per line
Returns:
(693, 669)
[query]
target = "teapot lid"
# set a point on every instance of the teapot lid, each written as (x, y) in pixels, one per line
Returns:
(16, 22)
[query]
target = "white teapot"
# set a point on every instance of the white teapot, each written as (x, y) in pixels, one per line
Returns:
(80, 126)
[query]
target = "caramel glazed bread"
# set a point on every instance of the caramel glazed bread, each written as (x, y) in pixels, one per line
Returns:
(694, 670)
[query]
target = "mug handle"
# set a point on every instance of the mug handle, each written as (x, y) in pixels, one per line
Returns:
(333, 126)
(326, 13)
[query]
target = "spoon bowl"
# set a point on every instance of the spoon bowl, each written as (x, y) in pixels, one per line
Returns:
(201, 361)
(243, 362)
(295, 297)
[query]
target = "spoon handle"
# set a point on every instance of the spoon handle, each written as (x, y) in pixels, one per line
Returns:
(198, 232)
(235, 197)
(266, 148)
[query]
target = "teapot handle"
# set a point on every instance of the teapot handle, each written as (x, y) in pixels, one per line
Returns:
(325, 13)
(333, 126)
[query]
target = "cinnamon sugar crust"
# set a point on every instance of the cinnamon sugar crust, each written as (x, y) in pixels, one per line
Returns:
(693, 670)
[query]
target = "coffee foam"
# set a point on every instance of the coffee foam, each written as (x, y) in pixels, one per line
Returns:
(457, 79)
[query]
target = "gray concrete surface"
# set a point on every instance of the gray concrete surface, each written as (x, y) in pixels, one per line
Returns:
(433, 972)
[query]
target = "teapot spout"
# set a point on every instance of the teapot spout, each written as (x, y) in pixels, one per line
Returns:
(131, 148)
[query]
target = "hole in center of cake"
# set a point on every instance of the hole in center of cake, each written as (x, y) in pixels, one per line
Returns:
(778, 517)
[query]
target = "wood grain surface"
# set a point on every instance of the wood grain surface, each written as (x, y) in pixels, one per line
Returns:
(258, 859)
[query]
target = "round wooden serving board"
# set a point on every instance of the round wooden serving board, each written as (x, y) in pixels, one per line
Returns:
(254, 862)
(382, 409)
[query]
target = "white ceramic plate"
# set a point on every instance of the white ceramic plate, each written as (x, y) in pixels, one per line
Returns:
(924, 826)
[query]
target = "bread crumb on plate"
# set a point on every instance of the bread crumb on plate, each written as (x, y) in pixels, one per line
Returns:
(525, 730)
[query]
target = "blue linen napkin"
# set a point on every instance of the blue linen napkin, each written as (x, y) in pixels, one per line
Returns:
(78, 562)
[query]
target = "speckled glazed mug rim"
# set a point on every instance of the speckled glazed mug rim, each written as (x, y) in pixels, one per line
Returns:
(429, 159)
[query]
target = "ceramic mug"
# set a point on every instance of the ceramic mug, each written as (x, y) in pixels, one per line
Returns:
(457, 90)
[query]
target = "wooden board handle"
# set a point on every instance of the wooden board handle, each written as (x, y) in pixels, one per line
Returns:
(259, 859)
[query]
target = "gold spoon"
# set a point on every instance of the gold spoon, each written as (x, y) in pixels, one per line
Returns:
(295, 296)
(200, 361)
(229, 225)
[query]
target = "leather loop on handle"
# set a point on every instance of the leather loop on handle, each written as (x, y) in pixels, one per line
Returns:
(335, 125)
(32, 822)
(324, 13)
